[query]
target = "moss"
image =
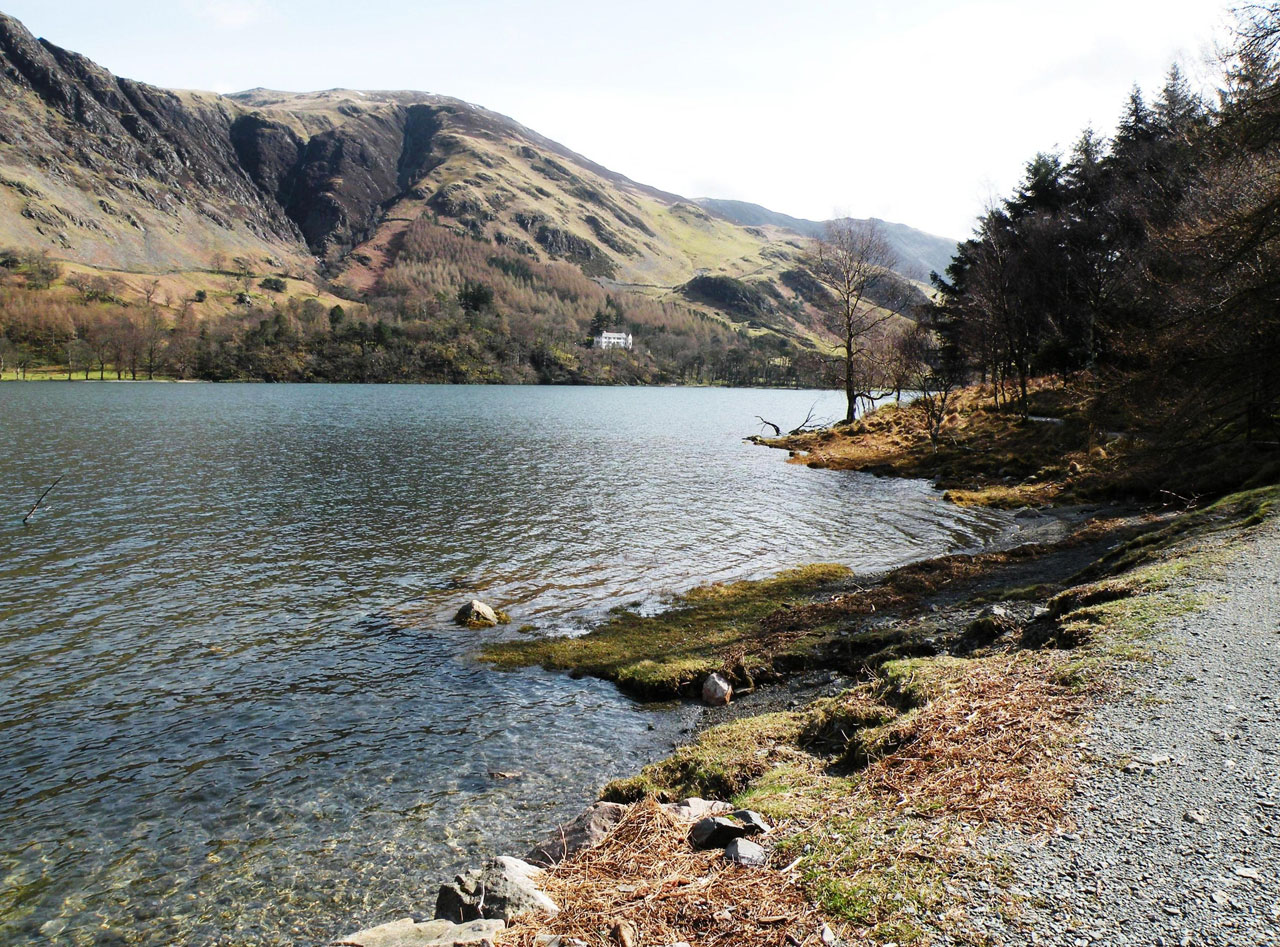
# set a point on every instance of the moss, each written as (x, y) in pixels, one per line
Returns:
(831, 723)
(913, 682)
(721, 763)
(713, 627)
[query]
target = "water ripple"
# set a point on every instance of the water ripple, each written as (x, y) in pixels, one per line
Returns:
(236, 710)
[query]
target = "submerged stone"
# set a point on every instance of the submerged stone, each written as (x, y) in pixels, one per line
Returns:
(409, 933)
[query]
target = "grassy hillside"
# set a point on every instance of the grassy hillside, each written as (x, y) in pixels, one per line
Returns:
(472, 246)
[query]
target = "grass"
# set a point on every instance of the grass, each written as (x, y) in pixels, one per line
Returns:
(878, 793)
(720, 764)
(711, 628)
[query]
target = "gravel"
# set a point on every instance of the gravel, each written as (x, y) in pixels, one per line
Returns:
(1175, 835)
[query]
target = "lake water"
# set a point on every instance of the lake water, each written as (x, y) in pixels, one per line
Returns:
(234, 708)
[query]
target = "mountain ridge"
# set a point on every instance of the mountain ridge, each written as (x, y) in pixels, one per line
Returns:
(253, 170)
(423, 209)
(919, 252)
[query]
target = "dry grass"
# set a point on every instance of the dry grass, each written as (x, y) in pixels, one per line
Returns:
(646, 874)
(989, 746)
(985, 455)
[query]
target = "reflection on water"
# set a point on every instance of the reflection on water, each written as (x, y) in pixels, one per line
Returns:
(235, 710)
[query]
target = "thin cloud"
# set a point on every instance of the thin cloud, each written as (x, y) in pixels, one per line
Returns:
(229, 14)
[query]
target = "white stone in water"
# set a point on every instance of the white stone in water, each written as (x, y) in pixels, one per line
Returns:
(476, 612)
(716, 691)
(408, 933)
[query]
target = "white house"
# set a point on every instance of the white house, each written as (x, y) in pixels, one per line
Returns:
(614, 340)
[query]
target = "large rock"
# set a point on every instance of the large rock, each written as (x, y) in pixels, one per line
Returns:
(716, 690)
(752, 821)
(408, 933)
(586, 831)
(476, 614)
(695, 808)
(503, 888)
(745, 852)
(715, 832)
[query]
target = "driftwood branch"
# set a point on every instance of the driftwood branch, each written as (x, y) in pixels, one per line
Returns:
(777, 431)
(36, 505)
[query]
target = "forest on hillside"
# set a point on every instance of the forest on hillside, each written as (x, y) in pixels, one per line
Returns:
(452, 309)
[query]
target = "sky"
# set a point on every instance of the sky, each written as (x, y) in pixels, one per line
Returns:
(916, 111)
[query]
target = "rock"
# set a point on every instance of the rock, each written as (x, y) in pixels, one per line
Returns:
(408, 933)
(716, 691)
(745, 852)
(503, 888)
(695, 808)
(586, 831)
(624, 934)
(1039, 611)
(476, 614)
(827, 935)
(1193, 816)
(715, 832)
(752, 821)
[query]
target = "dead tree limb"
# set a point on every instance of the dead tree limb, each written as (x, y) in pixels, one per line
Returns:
(36, 505)
(777, 431)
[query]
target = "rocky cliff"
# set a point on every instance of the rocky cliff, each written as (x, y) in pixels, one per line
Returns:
(107, 171)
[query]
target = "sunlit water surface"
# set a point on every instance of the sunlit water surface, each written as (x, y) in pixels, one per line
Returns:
(235, 710)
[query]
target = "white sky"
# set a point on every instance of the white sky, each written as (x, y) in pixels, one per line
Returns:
(917, 111)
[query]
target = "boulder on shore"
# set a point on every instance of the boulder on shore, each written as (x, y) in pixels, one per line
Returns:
(695, 808)
(747, 853)
(716, 691)
(715, 832)
(586, 831)
(503, 888)
(476, 614)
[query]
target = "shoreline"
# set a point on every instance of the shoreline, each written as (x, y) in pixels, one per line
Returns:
(886, 728)
(830, 756)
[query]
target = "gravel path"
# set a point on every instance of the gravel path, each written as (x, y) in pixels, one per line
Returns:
(1177, 838)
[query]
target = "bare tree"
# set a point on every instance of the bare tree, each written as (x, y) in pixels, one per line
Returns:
(933, 375)
(854, 260)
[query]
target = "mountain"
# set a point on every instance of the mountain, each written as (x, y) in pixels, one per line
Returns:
(919, 253)
(399, 201)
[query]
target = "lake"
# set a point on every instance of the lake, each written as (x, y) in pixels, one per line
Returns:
(235, 708)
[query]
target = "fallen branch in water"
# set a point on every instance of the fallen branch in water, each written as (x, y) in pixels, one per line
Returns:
(36, 505)
(777, 431)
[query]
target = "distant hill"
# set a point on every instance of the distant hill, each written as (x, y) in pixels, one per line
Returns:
(387, 195)
(919, 253)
